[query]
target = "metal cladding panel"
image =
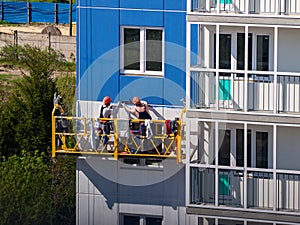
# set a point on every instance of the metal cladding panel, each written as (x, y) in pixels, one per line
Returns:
(175, 51)
(141, 18)
(98, 54)
(108, 188)
(147, 88)
(194, 44)
(99, 3)
(138, 4)
(175, 5)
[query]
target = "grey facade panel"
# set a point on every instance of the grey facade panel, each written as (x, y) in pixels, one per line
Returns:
(107, 189)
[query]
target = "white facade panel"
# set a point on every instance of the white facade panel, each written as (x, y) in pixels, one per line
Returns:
(288, 50)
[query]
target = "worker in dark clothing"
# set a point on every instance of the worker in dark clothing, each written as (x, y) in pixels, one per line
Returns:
(141, 109)
(105, 112)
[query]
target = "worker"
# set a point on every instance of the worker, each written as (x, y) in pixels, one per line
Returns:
(141, 109)
(106, 112)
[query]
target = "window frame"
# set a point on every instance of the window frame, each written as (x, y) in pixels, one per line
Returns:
(143, 50)
(142, 218)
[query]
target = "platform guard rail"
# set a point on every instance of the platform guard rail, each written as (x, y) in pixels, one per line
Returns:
(78, 135)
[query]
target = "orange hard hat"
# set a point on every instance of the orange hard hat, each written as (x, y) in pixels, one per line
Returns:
(135, 100)
(107, 100)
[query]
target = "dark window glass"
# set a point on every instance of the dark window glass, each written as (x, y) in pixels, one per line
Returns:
(262, 149)
(240, 147)
(262, 58)
(224, 51)
(131, 49)
(241, 51)
(154, 50)
(153, 221)
(131, 220)
(224, 147)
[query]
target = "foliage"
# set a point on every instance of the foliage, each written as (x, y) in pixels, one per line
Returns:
(9, 53)
(34, 192)
(65, 85)
(25, 118)
(25, 190)
(11, 56)
(33, 189)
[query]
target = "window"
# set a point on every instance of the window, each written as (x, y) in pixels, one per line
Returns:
(224, 51)
(241, 51)
(262, 149)
(131, 220)
(142, 50)
(262, 53)
(224, 147)
(140, 220)
(240, 147)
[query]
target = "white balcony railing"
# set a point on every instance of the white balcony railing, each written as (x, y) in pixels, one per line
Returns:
(276, 7)
(259, 184)
(259, 95)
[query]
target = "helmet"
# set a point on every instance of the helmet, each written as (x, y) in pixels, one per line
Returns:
(135, 100)
(106, 100)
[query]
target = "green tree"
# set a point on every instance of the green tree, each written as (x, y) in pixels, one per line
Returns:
(65, 86)
(35, 192)
(33, 189)
(25, 192)
(25, 117)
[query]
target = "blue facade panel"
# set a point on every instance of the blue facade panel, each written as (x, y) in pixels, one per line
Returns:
(174, 88)
(175, 5)
(99, 3)
(99, 54)
(194, 44)
(98, 62)
(141, 18)
(146, 88)
(153, 4)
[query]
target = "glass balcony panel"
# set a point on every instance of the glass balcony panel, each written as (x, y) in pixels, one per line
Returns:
(260, 92)
(288, 192)
(202, 143)
(202, 183)
(202, 89)
(231, 188)
(288, 93)
(260, 190)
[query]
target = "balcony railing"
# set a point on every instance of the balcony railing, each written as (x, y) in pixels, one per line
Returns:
(259, 184)
(275, 7)
(257, 94)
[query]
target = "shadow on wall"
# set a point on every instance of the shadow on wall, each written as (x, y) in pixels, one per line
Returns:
(107, 176)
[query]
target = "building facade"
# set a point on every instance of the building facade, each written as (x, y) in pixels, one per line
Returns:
(243, 116)
(235, 63)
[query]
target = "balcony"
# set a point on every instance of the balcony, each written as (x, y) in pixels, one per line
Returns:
(265, 191)
(260, 7)
(259, 91)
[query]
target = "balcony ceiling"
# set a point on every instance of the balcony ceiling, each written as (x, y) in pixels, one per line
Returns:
(244, 19)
